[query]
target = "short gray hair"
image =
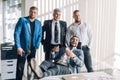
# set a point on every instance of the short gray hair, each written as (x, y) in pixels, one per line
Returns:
(57, 10)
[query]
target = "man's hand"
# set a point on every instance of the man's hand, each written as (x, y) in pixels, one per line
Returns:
(70, 53)
(20, 51)
(55, 49)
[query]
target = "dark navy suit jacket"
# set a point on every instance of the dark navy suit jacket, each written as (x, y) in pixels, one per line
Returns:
(47, 35)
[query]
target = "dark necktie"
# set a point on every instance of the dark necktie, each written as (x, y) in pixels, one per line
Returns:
(56, 33)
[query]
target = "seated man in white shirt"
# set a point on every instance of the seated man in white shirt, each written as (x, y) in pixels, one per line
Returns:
(66, 60)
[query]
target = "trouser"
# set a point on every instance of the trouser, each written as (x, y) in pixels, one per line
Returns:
(62, 70)
(21, 60)
(87, 58)
(56, 70)
(49, 69)
(47, 50)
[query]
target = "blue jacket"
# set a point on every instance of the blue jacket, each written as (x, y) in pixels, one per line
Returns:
(22, 33)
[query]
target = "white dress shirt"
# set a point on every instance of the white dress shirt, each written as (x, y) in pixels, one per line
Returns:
(53, 31)
(82, 31)
(64, 60)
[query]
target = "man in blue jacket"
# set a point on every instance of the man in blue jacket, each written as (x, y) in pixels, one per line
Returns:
(27, 37)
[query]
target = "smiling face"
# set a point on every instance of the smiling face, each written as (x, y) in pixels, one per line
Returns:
(74, 41)
(56, 15)
(76, 16)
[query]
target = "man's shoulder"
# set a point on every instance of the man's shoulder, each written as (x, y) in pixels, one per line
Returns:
(71, 25)
(38, 21)
(22, 18)
(78, 51)
(85, 24)
(62, 21)
(48, 21)
(26, 18)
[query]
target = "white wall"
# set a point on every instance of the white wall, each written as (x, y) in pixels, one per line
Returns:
(101, 16)
(1, 27)
(117, 44)
(28, 4)
(1, 30)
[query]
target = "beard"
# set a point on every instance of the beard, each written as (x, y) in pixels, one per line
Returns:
(32, 17)
(72, 45)
(77, 21)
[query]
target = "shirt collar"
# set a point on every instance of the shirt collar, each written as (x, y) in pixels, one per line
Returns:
(77, 24)
(55, 21)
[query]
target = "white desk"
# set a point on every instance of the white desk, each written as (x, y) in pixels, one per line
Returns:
(85, 76)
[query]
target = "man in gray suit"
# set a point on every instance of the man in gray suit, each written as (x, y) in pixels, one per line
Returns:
(66, 60)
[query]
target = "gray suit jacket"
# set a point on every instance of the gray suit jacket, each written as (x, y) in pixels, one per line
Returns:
(74, 64)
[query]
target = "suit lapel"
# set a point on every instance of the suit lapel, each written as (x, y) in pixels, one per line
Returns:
(35, 27)
(61, 31)
(28, 24)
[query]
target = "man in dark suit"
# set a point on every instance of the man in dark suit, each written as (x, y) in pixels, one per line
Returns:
(54, 33)
(27, 36)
